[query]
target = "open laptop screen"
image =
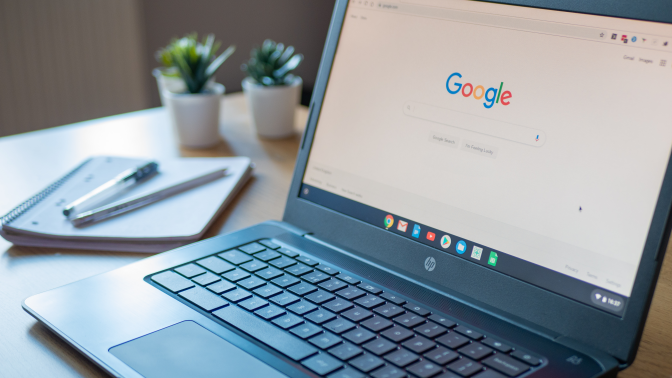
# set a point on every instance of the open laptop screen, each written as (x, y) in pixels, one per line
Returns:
(531, 142)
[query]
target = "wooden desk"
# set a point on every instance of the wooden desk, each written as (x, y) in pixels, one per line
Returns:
(28, 349)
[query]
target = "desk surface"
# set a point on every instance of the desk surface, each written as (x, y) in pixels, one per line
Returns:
(30, 350)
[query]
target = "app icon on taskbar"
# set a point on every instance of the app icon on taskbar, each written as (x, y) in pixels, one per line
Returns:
(389, 221)
(402, 226)
(430, 236)
(461, 247)
(493, 258)
(476, 253)
(416, 231)
(445, 241)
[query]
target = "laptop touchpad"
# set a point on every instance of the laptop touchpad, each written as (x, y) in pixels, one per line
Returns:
(188, 350)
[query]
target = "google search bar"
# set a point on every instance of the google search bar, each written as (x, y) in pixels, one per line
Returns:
(478, 124)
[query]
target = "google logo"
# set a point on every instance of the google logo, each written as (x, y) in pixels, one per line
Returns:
(492, 95)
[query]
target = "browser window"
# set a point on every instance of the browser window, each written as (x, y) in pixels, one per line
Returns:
(507, 133)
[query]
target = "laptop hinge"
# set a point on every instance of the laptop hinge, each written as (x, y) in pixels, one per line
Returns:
(289, 227)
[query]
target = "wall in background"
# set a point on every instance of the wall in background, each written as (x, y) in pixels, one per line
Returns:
(64, 61)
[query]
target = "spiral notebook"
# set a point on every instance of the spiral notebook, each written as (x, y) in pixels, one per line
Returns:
(167, 224)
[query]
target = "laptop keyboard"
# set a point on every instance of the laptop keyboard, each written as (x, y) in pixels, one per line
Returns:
(333, 322)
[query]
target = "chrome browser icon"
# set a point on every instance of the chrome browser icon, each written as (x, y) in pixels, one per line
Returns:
(389, 221)
(445, 241)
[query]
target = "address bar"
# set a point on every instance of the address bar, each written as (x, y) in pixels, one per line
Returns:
(506, 22)
(482, 125)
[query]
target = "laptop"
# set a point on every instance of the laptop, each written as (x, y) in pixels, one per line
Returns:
(483, 190)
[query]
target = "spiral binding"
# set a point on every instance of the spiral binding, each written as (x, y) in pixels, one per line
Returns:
(34, 200)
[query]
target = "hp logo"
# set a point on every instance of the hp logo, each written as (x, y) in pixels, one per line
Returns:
(430, 264)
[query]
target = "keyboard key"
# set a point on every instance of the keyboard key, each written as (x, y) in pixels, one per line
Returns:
(268, 334)
(441, 355)
(367, 362)
(270, 312)
(253, 303)
(475, 351)
(468, 332)
(448, 375)
(302, 307)
(320, 296)
(397, 334)
(389, 372)
(215, 264)
(351, 293)
(316, 277)
(402, 357)
(235, 257)
(267, 255)
(417, 309)
(270, 273)
(288, 252)
(267, 291)
(254, 265)
(438, 319)
(388, 310)
(322, 364)
(369, 301)
(339, 325)
(237, 295)
(370, 288)
(190, 270)
(465, 367)
(419, 344)
(298, 269)
(320, 316)
(221, 287)
(493, 343)
(333, 285)
(338, 305)
(252, 248)
(430, 330)
(357, 314)
(359, 335)
(348, 278)
(393, 298)
(305, 331)
(203, 298)
(268, 244)
(526, 357)
(172, 281)
(282, 262)
(288, 321)
(302, 288)
(236, 275)
(251, 283)
(409, 320)
(380, 346)
(345, 351)
(377, 324)
(286, 281)
(306, 260)
(325, 340)
(424, 369)
(347, 373)
(506, 365)
(284, 299)
(330, 270)
(206, 279)
(453, 340)
(487, 374)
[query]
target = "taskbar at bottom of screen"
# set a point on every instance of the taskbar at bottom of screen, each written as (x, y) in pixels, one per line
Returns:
(471, 251)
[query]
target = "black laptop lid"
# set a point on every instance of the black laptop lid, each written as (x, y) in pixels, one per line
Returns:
(514, 155)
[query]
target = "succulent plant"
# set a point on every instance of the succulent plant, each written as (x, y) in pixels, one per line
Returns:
(194, 61)
(272, 63)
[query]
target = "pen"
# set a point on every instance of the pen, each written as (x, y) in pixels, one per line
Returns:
(122, 181)
(121, 207)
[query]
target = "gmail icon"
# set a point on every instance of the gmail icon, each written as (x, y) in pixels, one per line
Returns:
(402, 226)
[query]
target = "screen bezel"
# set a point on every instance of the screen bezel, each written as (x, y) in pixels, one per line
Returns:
(551, 313)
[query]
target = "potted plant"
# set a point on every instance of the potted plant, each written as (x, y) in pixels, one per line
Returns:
(193, 107)
(271, 90)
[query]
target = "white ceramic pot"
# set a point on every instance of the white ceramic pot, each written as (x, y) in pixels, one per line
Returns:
(196, 115)
(171, 83)
(273, 107)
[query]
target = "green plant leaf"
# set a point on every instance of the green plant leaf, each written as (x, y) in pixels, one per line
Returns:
(214, 66)
(289, 66)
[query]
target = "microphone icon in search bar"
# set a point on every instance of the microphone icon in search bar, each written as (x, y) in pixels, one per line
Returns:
(478, 124)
